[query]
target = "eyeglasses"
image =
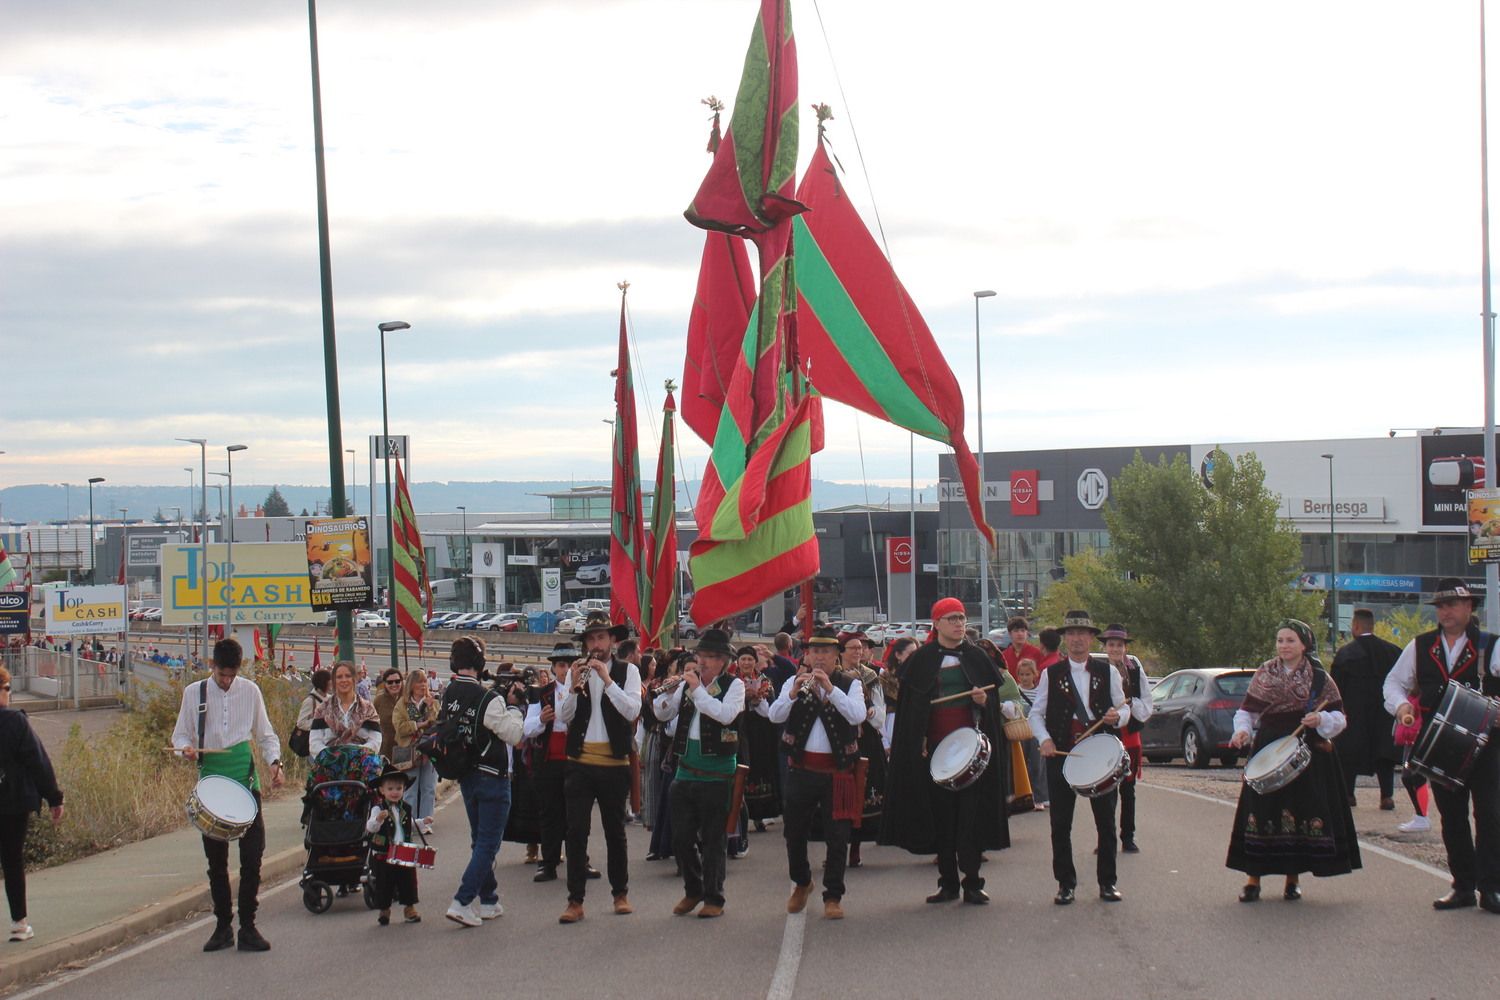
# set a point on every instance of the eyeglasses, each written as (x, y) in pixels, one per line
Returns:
(395, 681)
(954, 618)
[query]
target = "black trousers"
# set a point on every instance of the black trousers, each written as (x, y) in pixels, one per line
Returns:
(700, 809)
(396, 882)
(805, 795)
(584, 785)
(955, 817)
(13, 863)
(552, 809)
(1385, 774)
(252, 848)
(1064, 799)
(1473, 860)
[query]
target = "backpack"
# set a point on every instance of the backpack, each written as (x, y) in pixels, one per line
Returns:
(451, 746)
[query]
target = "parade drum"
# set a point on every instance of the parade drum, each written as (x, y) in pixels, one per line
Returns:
(412, 855)
(1096, 765)
(1277, 764)
(960, 759)
(221, 808)
(1444, 753)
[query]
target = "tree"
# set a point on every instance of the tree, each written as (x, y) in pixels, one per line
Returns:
(304, 512)
(1402, 627)
(275, 504)
(1202, 574)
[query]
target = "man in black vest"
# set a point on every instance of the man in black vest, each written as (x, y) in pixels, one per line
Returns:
(1059, 716)
(1138, 693)
(706, 744)
(600, 710)
(1457, 652)
(821, 709)
(1359, 670)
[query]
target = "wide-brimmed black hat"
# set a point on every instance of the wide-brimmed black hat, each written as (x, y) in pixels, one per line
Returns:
(1452, 588)
(823, 636)
(714, 640)
(563, 651)
(391, 771)
(598, 621)
(1078, 619)
(1114, 631)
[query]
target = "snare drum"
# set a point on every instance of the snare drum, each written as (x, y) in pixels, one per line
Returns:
(960, 759)
(1277, 764)
(221, 808)
(412, 855)
(1445, 751)
(1096, 765)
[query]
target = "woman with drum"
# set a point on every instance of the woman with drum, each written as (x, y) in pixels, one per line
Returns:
(345, 718)
(1293, 814)
(942, 795)
(26, 779)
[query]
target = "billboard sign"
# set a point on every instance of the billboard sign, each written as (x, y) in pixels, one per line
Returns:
(15, 613)
(144, 550)
(1452, 464)
(86, 610)
(271, 586)
(1484, 526)
(551, 588)
(339, 566)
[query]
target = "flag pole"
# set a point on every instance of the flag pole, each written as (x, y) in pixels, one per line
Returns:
(1491, 570)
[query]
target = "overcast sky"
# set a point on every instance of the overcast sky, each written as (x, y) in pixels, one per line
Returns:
(1204, 221)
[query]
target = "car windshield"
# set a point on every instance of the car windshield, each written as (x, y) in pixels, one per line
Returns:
(1234, 685)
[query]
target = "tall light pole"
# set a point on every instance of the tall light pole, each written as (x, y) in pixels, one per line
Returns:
(92, 481)
(1491, 570)
(229, 451)
(467, 563)
(353, 482)
(1333, 567)
(202, 444)
(192, 479)
(984, 545)
(390, 529)
(125, 544)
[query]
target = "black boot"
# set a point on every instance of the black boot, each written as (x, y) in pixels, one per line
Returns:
(223, 936)
(250, 939)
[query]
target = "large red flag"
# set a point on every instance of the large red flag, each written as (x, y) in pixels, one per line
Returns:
(716, 331)
(410, 564)
(627, 530)
(659, 584)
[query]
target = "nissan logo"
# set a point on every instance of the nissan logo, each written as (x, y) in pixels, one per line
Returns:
(1022, 489)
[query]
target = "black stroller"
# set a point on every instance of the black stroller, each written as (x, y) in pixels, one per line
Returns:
(337, 802)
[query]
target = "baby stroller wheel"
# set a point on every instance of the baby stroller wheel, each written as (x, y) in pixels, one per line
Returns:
(369, 892)
(317, 897)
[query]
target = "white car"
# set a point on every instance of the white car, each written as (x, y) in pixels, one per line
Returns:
(570, 625)
(876, 634)
(594, 574)
(922, 630)
(686, 627)
(899, 630)
(368, 619)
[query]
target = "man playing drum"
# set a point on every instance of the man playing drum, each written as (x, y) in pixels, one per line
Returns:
(1138, 692)
(1060, 716)
(1457, 651)
(225, 712)
(923, 815)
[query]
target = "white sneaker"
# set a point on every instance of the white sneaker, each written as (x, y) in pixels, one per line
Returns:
(1417, 824)
(21, 931)
(427, 826)
(461, 913)
(489, 911)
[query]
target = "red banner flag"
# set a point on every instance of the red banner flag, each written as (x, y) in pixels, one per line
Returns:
(627, 530)
(659, 585)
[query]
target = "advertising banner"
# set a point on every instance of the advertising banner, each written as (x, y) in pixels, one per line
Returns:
(339, 567)
(144, 549)
(1452, 464)
(15, 613)
(1484, 526)
(898, 555)
(86, 610)
(551, 588)
(270, 584)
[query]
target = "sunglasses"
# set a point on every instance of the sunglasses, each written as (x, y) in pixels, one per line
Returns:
(395, 681)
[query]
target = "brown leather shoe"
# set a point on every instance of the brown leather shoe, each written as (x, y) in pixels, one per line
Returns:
(710, 911)
(572, 914)
(622, 905)
(797, 902)
(833, 909)
(685, 905)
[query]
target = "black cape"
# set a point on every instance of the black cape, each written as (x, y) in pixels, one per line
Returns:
(907, 821)
(1359, 670)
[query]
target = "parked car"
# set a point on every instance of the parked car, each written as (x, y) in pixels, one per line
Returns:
(570, 625)
(151, 615)
(593, 604)
(570, 609)
(1192, 716)
(438, 617)
(593, 574)
(458, 621)
(479, 621)
(368, 619)
(876, 633)
(686, 627)
(922, 630)
(898, 630)
(504, 621)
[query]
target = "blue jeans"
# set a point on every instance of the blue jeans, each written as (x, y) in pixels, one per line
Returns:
(422, 790)
(487, 802)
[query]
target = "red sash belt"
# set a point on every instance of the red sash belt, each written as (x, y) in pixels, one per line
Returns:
(846, 800)
(557, 745)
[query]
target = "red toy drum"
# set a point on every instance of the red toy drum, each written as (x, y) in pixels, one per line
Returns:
(412, 855)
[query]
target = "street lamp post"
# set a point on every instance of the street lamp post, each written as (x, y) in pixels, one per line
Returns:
(1333, 567)
(390, 529)
(192, 479)
(125, 576)
(229, 451)
(468, 564)
(353, 482)
(92, 481)
(202, 444)
(984, 545)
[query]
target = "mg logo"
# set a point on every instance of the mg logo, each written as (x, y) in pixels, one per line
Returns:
(1093, 488)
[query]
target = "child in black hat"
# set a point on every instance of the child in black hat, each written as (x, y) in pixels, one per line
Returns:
(390, 823)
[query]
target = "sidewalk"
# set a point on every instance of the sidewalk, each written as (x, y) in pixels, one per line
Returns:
(102, 901)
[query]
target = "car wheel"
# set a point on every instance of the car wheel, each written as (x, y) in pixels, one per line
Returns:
(1192, 748)
(1156, 758)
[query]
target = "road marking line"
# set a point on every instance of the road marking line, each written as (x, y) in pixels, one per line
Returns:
(784, 982)
(1364, 845)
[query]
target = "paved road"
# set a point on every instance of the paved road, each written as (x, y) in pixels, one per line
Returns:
(1179, 933)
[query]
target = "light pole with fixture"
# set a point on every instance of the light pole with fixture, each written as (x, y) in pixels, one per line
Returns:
(202, 444)
(92, 481)
(984, 544)
(468, 563)
(229, 451)
(385, 449)
(353, 482)
(1333, 567)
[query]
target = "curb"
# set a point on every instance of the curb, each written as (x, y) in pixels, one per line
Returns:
(146, 920)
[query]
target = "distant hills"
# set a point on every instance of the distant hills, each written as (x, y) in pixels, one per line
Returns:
(53, 502)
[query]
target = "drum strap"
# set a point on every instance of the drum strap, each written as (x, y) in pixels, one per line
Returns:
(202, 711)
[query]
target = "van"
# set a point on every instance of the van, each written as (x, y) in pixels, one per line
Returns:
(594, 604)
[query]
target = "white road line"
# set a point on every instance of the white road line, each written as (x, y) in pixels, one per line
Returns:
(1364, 845)
(784, 982)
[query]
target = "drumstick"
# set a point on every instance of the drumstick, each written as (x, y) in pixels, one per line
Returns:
(1298, 731)
(1089, 731)
(961, 694)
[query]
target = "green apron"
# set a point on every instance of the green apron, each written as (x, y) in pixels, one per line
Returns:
(237, 762)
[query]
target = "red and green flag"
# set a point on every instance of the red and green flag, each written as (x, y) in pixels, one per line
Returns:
(409, 562)
(627, 529)
(722, 306)
(659, 583)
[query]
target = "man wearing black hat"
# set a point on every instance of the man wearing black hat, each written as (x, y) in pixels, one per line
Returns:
(600, 709)
(1059, 716)
(708, 701)
(548, 736)
(1138, 693)
(821, 709)
(1457, 652)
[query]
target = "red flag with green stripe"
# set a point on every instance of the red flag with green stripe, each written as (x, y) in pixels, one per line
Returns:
(868, 345)
(409, 563)
(7, 571)
(659, 583)
(721, 313)
(627, 532)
